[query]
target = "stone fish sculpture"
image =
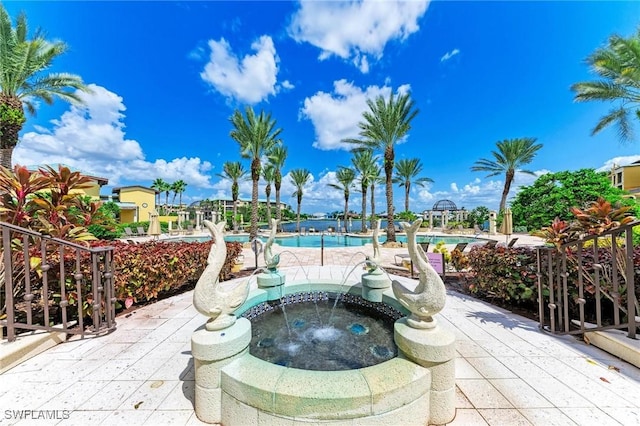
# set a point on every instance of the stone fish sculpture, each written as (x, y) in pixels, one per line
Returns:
(209, 298)
(429, 296)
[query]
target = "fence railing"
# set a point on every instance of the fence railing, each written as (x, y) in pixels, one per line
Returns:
(589, 284)
(54, 285)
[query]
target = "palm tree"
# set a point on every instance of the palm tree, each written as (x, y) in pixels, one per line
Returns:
(256, 136)
(158, 185)
(618, 65)
(178, 187)
(235, 172)
(385, 124)
(365, 163)
(511, 155)
(166, 188)
(22, 81)
(268, 173)
(407, 171)
(277, 157)
(299, 177)
(345, 176)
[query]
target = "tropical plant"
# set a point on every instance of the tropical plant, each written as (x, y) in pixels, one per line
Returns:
(618, 66)
(178, 187)
(407, 171)
(256, 135)
(345, 177)
(299, 178)
(268, 173)
(385, 124)
(22, 82)
(235, 172)
(159, 185)
(511, 155)
(277, 157)
(601, 216)
(364, 162)
(554, 194)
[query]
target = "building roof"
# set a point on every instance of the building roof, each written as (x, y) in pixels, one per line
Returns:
(132, 188)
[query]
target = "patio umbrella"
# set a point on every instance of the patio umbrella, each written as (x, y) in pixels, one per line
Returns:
(507, 223)
(154, 224)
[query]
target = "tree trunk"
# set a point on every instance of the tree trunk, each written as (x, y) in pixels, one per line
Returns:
(235, 216)
(407, 189)
(507, 186)
(373, 207)
(255, 177)
(6, 155)
(364, 209)
(388, 171)
(346, 210)
(298, 215)
(268, 193)
(277, 184)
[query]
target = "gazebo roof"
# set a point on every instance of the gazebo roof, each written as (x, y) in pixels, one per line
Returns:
(443, 205)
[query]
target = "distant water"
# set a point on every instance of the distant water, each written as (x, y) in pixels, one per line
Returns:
(355, 225)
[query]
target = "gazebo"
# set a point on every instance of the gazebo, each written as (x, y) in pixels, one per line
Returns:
(444, 209)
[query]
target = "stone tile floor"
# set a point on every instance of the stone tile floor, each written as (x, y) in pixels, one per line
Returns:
(508, 372)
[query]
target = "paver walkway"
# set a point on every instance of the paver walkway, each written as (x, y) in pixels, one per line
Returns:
(508, 372)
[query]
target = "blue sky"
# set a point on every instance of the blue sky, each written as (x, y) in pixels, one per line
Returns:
(166, 77)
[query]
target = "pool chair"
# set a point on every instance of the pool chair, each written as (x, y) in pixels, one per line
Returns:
(460, 247)
(512, 242)
(128, 232)
(141, 231)
(491, 244)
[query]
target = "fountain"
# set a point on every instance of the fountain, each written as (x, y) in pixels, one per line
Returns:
(234, 387)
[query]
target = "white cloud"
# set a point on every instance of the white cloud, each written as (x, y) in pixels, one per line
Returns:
(617, 162)
(287, 85)
(454, 187)
(91, 138)
(355, 31)
(449, 55)
(250, 79)
(335, 115)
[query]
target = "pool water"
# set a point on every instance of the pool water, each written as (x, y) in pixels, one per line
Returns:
(331, 241)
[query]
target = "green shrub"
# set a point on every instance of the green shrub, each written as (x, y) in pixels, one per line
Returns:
(505, 274)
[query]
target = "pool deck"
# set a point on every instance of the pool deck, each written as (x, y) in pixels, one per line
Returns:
(508, 372)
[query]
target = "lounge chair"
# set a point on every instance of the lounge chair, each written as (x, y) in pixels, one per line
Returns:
(425, 247)
(512, 242)
(491, 244)
(141, 231)
(128, 232)
(477, 230)
(460, 247)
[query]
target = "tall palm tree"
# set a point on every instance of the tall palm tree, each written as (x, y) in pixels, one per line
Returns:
(510, 156)
(407, 171)
(277, 157)
(345, 176)
(256, 135)
(365, 164)
(299, 178)
(22, 79)
(385, 124)
(618, 66)
(235, 172)
(158, 185)
(268, 173)
(178, 187)
(166, 188)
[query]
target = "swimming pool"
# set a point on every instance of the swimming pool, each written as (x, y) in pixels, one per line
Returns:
(338, 240)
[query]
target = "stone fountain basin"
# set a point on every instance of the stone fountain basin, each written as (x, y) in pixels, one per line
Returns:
(255, 391)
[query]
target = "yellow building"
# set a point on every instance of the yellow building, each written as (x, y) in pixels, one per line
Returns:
(135, 202)
(626, 177)
(94, 186)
